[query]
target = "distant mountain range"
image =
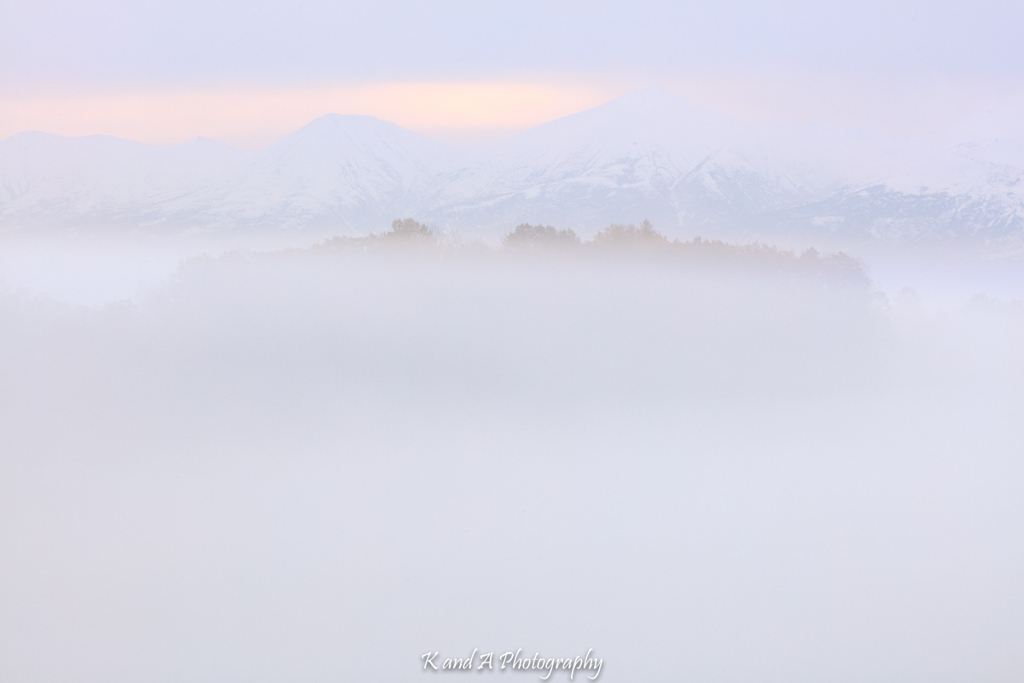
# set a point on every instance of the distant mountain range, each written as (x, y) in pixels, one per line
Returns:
(689, 169)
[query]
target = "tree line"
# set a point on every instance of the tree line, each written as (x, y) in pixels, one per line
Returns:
(615, 241)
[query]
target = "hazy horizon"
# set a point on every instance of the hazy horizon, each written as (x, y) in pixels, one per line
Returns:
(447, 112)
(169, 74)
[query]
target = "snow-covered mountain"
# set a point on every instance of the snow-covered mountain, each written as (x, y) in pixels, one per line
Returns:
(648, 154)
(608, 164)
(933, 190)
(53, 182)
(338, 171)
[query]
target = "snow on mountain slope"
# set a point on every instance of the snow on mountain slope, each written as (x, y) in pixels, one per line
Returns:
(48, 179)
(650, 154)
(609, 163)
(934, 190)
(347, 171)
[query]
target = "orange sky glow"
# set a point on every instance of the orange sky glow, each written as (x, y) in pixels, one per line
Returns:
(469, 114)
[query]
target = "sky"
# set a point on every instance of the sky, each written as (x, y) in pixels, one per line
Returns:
(474, 72)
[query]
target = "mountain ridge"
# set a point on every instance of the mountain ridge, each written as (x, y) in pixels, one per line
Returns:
(646, 154)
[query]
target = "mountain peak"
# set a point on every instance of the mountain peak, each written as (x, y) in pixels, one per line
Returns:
(650, 93)
(360, 124)
(647, 122)
(357, 132)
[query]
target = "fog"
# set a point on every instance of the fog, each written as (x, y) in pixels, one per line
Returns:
(320, 464)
